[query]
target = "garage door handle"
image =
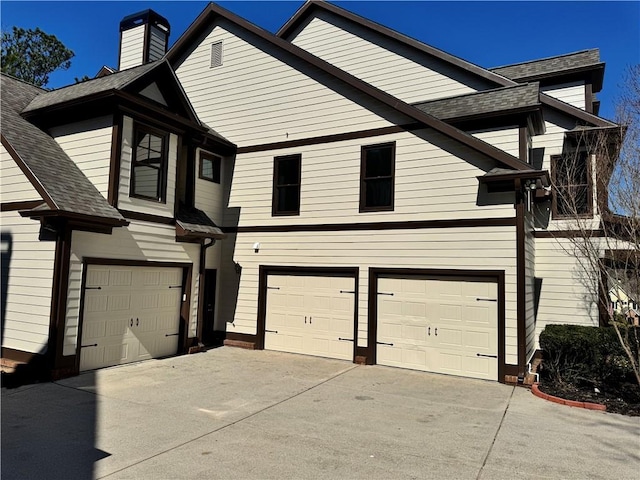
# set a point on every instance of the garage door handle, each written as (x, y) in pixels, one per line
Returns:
(92, 345)
(436, 331)
(271, 331)
(483, 355)
(137, 322)
(131, 323)
(382, 343)
(486, 299)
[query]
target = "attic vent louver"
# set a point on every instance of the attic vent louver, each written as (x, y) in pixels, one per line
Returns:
(216, 54)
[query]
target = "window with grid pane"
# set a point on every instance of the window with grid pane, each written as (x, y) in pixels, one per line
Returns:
(571, 175)
(377, 170)
(209, 167)
(286, 185)
(149, 165)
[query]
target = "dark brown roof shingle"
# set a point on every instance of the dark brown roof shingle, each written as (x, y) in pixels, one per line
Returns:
(551, 65)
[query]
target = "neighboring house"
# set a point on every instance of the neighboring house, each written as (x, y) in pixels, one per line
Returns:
(383, 201)
(620, 300)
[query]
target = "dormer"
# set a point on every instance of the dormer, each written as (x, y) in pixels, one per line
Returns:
(144, 37)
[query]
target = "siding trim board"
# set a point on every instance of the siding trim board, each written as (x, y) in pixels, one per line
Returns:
(263, 274)
(497, 275)
(521, 280)
(114, 166)
(24, 205)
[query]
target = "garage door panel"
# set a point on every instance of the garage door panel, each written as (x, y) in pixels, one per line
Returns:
(310, 314)
(133, 316)
(458, 320)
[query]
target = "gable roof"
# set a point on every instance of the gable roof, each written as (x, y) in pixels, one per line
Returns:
(520, 98)
(312, 5)
(584, 60)
(213, 11)
(64, 188)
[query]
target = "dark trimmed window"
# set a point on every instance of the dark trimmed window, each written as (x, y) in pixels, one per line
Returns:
(377, 171)
(571, 176)
(286, 185)
(149, 164)
(209, 168)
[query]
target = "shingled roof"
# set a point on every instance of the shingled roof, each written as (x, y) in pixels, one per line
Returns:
(500, 100)
(64, 187)
(114, 81)
(550, 66)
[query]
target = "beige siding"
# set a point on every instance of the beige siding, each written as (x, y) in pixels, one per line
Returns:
(14, 185)
(378, 61)
(530, 286)
(487, 248)
(568, 295)
(506, 139)
(209, 195)
(572, 93)
(432, 182)
(88, 144)
(255, 97)
(131, 47)
(27, 263)
(139, 241)
(126, 202)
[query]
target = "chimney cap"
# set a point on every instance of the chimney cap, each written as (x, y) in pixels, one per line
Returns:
(146, 16)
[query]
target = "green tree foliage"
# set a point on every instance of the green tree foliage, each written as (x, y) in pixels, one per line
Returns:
(31, 55)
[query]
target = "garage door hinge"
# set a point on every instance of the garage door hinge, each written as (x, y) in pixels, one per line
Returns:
(347, 291)
(92, 345)
(93, 288)
(483, 355)
(345, 339)
(486, 299)
(273, 288)
(383, 293)
(171, 334)
(382, 343)
(272, 331)
(175, 286)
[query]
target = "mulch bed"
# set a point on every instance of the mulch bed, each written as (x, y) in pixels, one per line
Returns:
(625, 399)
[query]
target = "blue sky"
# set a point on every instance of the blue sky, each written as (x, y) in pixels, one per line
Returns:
(488, 34)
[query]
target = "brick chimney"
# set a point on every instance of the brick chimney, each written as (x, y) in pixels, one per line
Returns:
(144, 37)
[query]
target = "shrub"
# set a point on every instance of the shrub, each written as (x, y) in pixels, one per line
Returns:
(579, 354)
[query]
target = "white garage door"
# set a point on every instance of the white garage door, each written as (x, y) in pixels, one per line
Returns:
(439, 325)
(130, 314)
(311, 315)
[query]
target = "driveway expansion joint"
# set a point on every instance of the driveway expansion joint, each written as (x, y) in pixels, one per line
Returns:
(495, 436)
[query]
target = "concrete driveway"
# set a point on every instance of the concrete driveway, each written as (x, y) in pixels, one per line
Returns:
(231, 413)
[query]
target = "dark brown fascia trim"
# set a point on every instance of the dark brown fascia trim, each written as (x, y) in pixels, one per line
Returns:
(521, 280)
(542, 175)
(59, 295)
(24, 205)
(523, 144)
(400, 225)
(265, 270)
(372, 302)
(132, 263)
(213, 10)
(588, 97)
(28, 173)
(338, 137)
(146, 217)
(145, 45)
(569, 234)
(79, 218)
(114, 163)
(452, 60)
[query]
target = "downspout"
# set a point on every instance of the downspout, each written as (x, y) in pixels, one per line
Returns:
(201, 276)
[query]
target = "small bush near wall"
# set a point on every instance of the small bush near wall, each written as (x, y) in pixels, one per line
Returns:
(574, 353)
(584, 361)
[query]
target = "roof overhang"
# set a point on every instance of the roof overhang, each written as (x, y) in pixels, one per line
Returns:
(74, 221)
(503, 181)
